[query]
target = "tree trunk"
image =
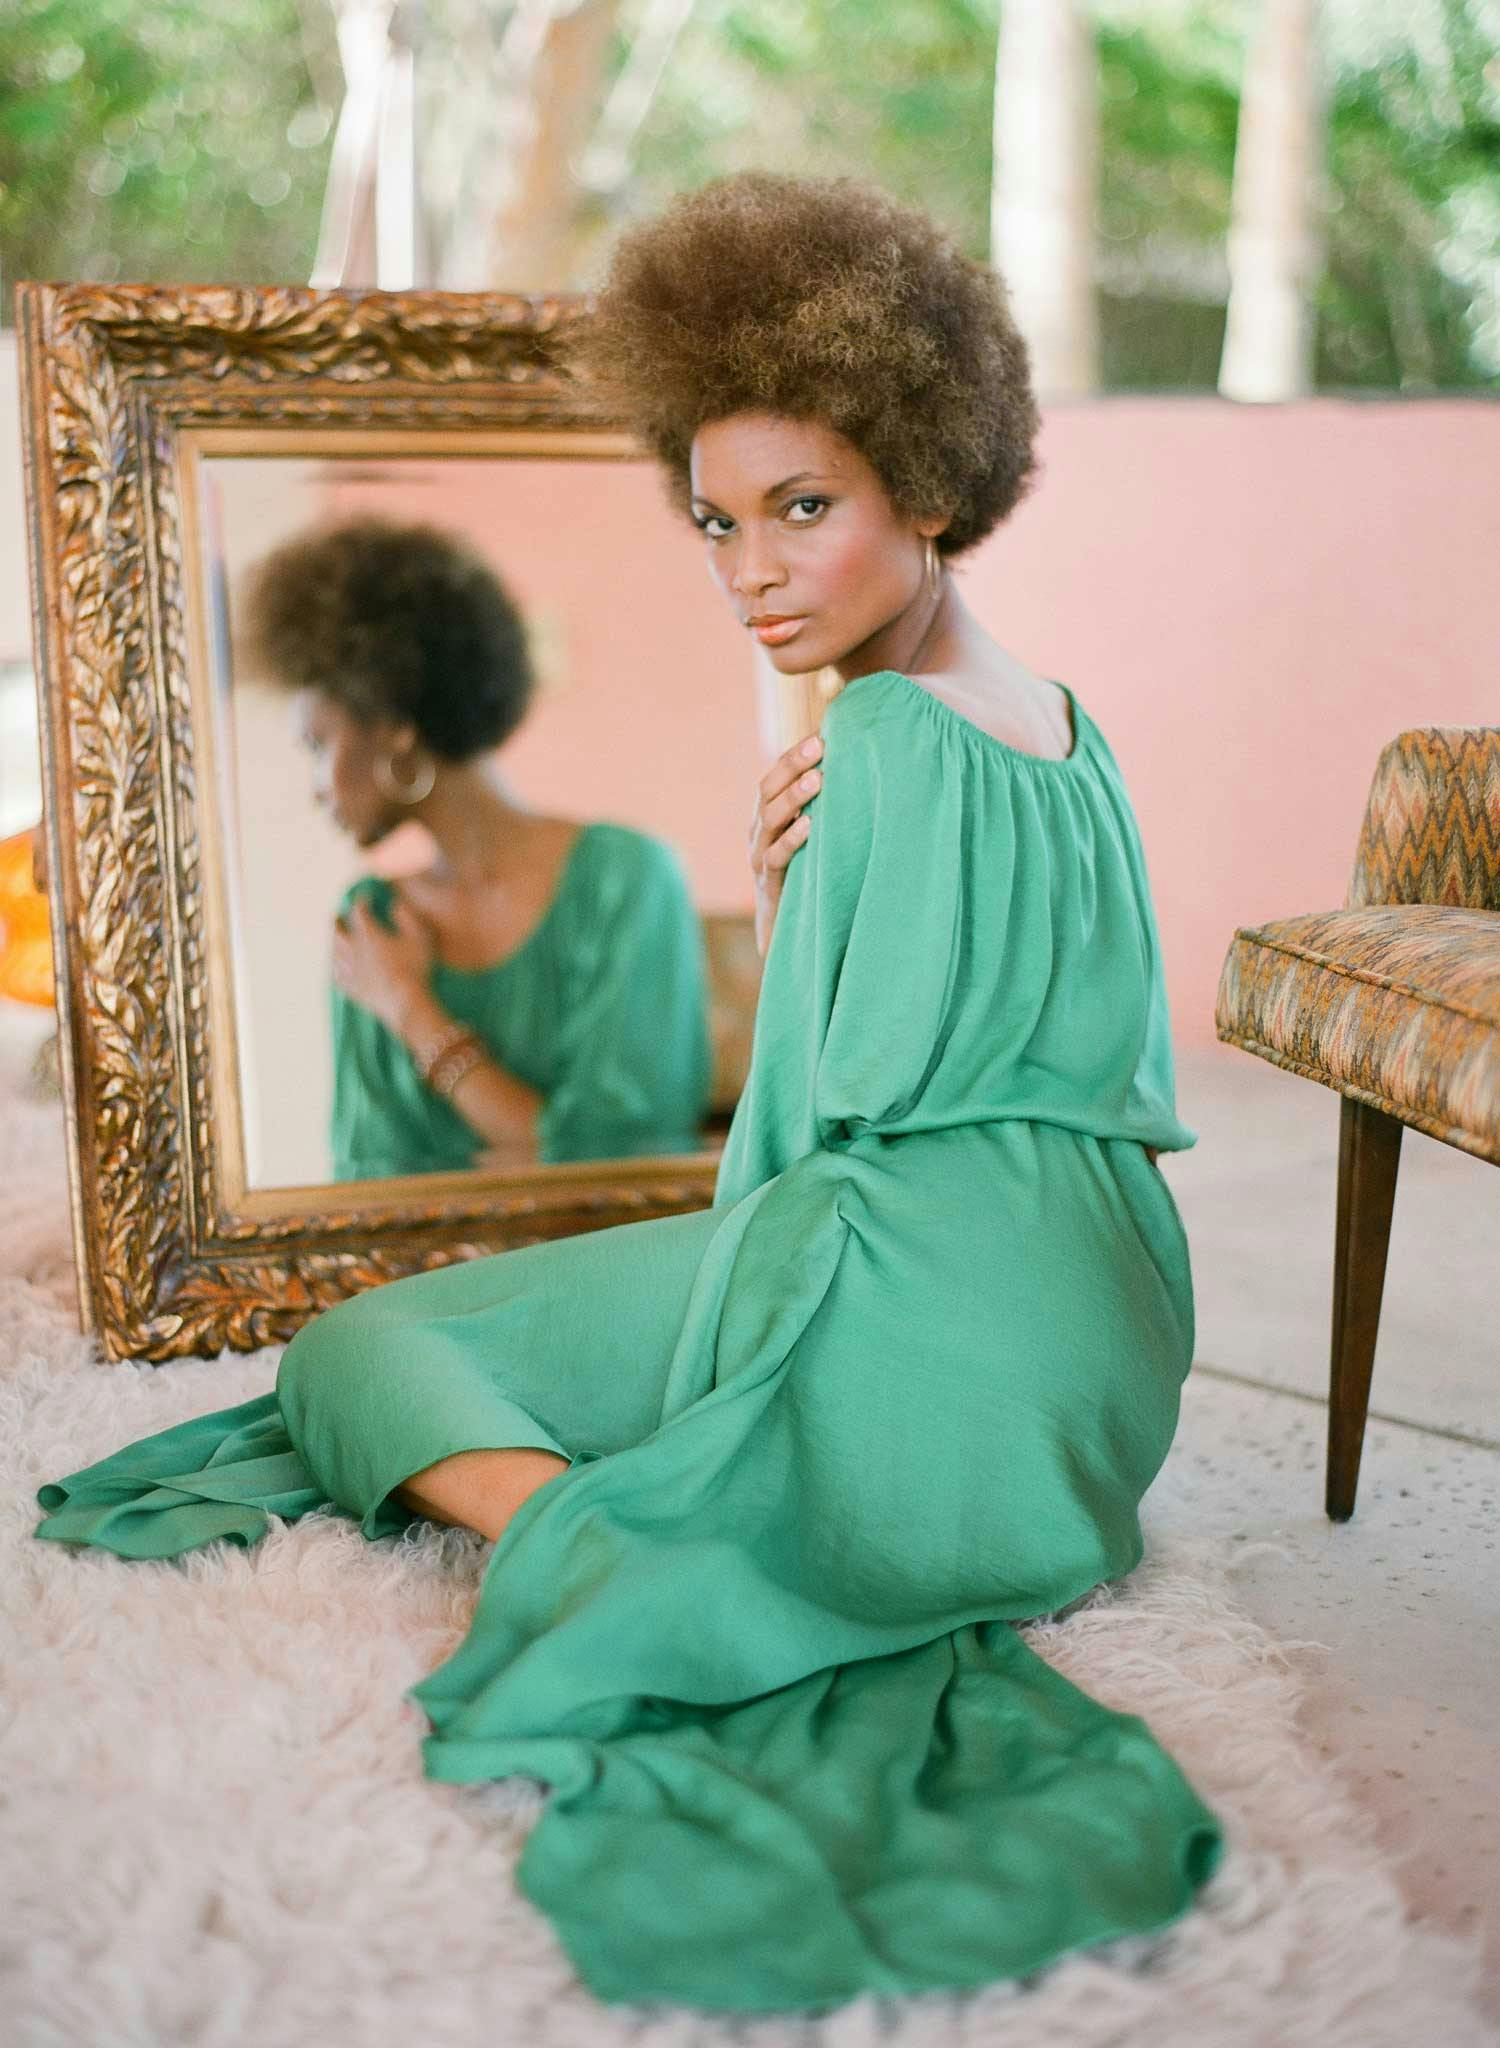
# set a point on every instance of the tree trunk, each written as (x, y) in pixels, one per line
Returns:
(1042, 203)
(606, 166)
(518, 110)
(1275, 233)
(533, 233)
(494, 196)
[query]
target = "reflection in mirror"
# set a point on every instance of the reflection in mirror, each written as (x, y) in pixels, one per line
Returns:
(464, 898)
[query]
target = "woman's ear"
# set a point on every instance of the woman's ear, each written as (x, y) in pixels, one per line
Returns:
(397, 736)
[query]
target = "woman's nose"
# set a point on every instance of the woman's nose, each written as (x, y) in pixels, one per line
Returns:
(755, 571)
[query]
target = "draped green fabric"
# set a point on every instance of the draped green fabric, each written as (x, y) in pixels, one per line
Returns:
(603, 1009)
(903, 1385)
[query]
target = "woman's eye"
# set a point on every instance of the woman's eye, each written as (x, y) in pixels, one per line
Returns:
(715, 525)
(809, 508)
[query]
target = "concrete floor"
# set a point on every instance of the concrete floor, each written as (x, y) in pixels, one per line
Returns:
(1405, 1597)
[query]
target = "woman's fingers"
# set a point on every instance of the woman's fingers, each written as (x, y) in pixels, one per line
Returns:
(409, 920)
(789, 766)
(783, 808)
(780, 851)
(776, 785)
(786, 786)
(347, 932)
(772, 832)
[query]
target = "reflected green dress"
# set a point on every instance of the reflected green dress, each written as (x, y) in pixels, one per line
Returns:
(904, 1383)
(602, 1008)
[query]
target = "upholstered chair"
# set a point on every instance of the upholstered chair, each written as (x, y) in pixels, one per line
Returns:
(1395, 1002)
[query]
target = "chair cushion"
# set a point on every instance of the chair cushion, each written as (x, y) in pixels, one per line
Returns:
(1397, 1005)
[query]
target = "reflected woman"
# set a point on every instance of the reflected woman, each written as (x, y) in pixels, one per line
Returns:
(538, 992)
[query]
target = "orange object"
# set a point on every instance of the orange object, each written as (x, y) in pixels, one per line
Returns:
(25, 927)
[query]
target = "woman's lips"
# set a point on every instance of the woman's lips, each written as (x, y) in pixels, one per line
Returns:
(772, 632)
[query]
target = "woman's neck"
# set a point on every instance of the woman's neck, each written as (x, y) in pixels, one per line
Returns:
(925, 636)
(477, 824)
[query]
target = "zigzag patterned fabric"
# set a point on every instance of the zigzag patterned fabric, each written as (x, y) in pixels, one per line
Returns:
(1397, 1005)
(1432, 823)
(1395, 999)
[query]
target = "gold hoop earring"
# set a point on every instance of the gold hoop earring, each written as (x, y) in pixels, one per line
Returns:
(934, 567)
(403, 792)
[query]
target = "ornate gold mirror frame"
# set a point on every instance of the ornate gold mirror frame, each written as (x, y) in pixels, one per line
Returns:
(122, 389)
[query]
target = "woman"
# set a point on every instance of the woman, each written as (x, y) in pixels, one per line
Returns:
(539, 991)
(770, 1483)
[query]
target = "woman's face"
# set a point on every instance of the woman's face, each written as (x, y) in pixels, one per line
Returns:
(802, 538)
(344, 752)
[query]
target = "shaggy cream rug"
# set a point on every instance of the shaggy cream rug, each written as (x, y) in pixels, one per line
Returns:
(214, 1829)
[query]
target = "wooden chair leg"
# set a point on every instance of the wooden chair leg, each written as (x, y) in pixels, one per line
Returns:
(1369, 1154)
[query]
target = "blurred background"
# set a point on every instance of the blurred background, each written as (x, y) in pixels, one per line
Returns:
(1254, 246)
(1104, 153)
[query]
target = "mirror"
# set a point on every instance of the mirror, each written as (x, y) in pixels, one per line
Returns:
(585, 971)
(178, 437)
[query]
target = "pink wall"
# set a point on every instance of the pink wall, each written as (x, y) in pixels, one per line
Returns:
(1248, 600)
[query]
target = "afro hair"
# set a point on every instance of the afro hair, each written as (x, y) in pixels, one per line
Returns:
(820, 298)
(393, 622)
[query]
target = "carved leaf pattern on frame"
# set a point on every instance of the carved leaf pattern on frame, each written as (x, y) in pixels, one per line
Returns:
(117, 373)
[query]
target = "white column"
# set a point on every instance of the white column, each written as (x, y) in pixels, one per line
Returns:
(1042, 204)
(1276, 217)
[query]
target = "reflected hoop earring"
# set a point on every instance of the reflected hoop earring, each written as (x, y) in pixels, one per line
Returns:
(934, 568)
(403, 792)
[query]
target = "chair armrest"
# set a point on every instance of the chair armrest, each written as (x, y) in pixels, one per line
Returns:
(1431, 831)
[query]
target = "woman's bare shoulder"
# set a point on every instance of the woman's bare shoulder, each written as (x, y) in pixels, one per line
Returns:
(1005, 699)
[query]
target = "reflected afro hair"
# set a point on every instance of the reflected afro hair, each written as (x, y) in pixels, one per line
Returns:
(393, 621)
(820, 298)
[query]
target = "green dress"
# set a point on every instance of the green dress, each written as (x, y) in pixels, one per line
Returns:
(602, 1008)
(904, 1383)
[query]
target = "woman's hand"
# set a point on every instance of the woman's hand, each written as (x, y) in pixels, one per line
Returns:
(383, 970)
(779, 828)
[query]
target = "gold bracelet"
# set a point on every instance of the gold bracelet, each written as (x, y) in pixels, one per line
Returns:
(424, 1057)
(443, 1059)
(450, 1067)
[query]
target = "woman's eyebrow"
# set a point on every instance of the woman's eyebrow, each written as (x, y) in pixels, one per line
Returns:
(802, 476)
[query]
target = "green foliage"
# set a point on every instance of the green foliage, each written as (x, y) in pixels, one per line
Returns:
(1168, 113)
(183, 139)
(157, 139)
(1410, 295)
(901, 91)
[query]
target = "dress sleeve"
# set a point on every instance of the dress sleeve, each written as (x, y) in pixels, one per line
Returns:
(370, 1134)
(634, 1056)
(872, 943)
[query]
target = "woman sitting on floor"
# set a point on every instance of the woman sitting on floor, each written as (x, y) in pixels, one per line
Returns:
(770, 1483)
